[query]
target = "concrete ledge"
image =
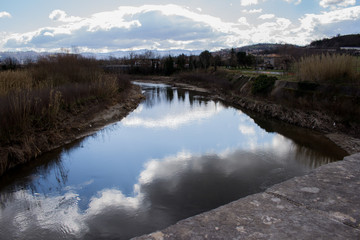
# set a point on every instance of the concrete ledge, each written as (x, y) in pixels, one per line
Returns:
(325, 204)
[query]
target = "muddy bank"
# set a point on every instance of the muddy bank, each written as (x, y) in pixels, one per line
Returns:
(85, 121)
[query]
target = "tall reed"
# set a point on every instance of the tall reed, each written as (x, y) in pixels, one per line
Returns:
(34, 98)
(327, 68)
(15, 80)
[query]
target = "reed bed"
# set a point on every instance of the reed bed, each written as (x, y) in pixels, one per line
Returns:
(327, 68)
(34, 98)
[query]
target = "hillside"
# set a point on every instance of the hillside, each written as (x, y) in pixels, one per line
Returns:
(352, 40)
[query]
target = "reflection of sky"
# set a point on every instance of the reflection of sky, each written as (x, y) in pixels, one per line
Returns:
(141, 170)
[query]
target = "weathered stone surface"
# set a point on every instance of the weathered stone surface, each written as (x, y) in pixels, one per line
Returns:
(324, 204)
(333, 189)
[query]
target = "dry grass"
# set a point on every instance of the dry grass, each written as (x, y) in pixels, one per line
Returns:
(35, 97)
(217, 79)
(14, 81)
(327, 68)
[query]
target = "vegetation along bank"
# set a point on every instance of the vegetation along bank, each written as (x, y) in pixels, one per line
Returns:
(55, 101)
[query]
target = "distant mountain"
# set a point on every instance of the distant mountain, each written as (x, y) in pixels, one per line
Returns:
(352, 40)
(155, 53)
(261, 48)
(23, 57)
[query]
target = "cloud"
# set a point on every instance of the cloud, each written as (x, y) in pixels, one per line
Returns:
(337, 3)
(166, 27)
(128, 28)
(243, 21)
(249, 2)
(61, 16)
(5, 15)
(297, 2)
(313, 25)
(259, 10)
(267, 16)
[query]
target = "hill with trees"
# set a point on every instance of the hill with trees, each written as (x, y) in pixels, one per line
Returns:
(352, 40)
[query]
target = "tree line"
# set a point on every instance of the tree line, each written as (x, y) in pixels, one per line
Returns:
(149, 63)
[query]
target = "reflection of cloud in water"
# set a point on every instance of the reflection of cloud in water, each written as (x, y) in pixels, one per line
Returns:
(113, 198)
(246, 129)
(139, 109)
(79, 186)
(167, 190)
(30, 216)
(154, 169)
(175, 120)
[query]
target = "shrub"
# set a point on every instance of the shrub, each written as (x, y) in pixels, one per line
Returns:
(263, 84)
(327, 68)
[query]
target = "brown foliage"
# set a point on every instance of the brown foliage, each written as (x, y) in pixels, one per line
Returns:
(34, 98)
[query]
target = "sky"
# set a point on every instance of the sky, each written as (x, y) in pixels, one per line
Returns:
(129, 25)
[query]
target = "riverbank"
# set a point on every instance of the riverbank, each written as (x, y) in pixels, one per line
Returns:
(85, 121)
(323, 204)
(345, 136)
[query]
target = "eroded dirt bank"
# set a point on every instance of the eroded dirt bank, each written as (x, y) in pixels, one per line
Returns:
(338, 133)
(87, 120)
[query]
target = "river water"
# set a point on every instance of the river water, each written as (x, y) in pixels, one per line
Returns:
(175, 156)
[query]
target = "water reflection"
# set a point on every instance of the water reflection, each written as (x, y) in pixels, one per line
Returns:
(175, 156)
(167, 190)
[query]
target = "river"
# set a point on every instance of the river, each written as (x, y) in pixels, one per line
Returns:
(175, 156)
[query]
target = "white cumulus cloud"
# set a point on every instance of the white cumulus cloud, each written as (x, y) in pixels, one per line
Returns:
(259, 10)
(297, 2)
(59, 15)
(249, 2)
(337, 3)
(243, 21)
(5, 15)
(267, 16)
(311, 25)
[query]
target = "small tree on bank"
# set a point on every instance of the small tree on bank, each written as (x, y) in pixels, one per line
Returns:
(205, 59)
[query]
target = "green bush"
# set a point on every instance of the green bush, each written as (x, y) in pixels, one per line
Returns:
(263, 84)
